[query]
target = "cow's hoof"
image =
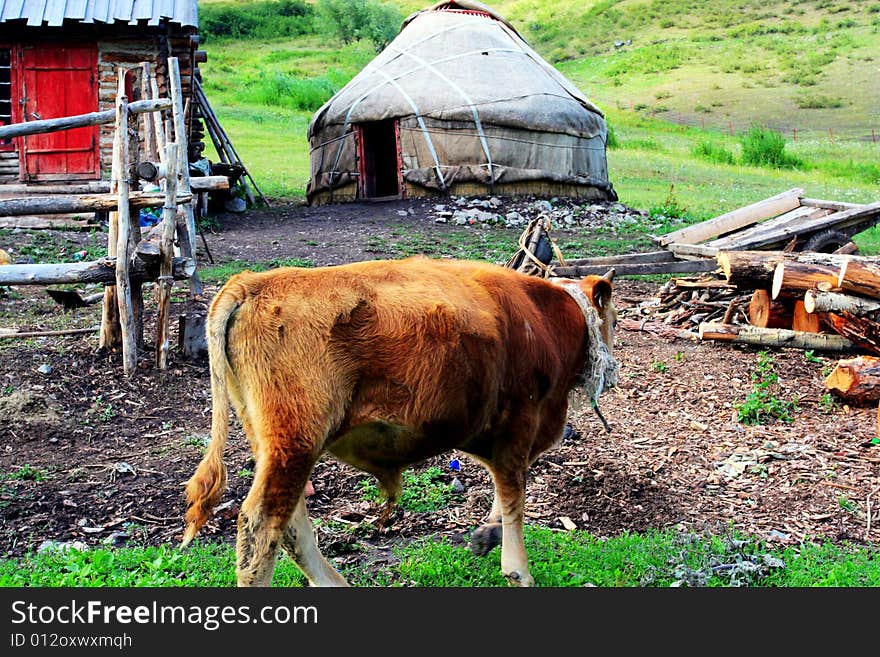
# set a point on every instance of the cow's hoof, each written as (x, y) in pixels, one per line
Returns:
(516, 578)
(485, 538)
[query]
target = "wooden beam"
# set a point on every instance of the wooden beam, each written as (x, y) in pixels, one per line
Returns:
(13, 207)
(683, 250)
(98, 271)
(861, 215)
(78, 121)
(790, 218)
(123, 282)
(16, 190)
(830, 205)
(166, 246)
(623, 259)
(644, 269)
(735, 219)
(195, 285)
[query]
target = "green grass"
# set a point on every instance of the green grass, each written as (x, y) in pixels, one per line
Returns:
(221, 273)
(40, 246)
(557, 559)
(422, 491)
(762, 405)
(707, 70)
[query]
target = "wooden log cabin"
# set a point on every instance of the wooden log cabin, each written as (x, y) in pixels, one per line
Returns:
(61, 58)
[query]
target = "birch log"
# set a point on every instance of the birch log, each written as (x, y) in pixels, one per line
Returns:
(773, 337)
(816, 301)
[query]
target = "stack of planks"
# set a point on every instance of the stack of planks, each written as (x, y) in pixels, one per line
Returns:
(774, 223)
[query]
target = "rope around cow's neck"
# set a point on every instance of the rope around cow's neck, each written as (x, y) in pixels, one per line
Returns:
(600, 369)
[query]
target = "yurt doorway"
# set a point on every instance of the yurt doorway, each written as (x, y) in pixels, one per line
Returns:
(379, 159)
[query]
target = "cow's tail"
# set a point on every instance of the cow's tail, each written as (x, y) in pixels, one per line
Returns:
(205, 488)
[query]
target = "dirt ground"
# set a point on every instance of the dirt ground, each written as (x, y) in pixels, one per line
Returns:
(89, 455)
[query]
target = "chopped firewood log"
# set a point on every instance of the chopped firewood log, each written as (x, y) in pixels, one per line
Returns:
(857, 380)
(767, 337)
(824, 302)
(859, 330)
(755, 269)
(801, 276)
(750, 270)
(860, 276)
(765, 312)
(801, 320)
(847, 249)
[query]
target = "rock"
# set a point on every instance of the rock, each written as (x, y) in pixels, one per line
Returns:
(116, 539)
(62, 546)
(457, 486)
(439, 208)
(44, 369)
(402, 213)
(461, 218)
(124, 468)
(235, 204)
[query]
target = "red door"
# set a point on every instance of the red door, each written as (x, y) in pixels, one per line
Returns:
(59, 80)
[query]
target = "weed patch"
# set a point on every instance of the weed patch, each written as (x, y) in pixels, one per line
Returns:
(761, 404)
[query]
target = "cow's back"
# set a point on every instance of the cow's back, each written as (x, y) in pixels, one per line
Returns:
(446, 351)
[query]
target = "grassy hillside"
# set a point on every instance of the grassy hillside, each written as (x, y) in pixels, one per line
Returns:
(680, 82)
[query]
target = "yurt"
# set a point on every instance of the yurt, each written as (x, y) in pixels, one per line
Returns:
(457, 103)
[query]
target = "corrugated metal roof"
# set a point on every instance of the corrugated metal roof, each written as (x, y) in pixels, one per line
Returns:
(55, 12)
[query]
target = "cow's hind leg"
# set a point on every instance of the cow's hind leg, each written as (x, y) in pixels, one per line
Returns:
(265, 513)
(510, 485)
(505, 521)
(487, 536)
(299, 542)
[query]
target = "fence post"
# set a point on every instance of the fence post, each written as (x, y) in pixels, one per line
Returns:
(123, 246)
(795, 134)
(831, 135)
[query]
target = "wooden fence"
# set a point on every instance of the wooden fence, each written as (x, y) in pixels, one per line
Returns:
(131, 258)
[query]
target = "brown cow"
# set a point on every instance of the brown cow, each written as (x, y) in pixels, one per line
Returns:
(384, 364)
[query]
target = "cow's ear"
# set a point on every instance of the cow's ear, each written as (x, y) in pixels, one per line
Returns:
(598, 290)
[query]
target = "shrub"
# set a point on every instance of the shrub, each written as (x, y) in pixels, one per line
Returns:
(285, 90)
(713, 152)
(256, 20)
(763, 147)
(611, 140)
(352, 20)
(810, 101)
(761, 404)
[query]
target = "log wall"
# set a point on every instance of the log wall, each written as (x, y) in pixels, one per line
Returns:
(117, 45)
